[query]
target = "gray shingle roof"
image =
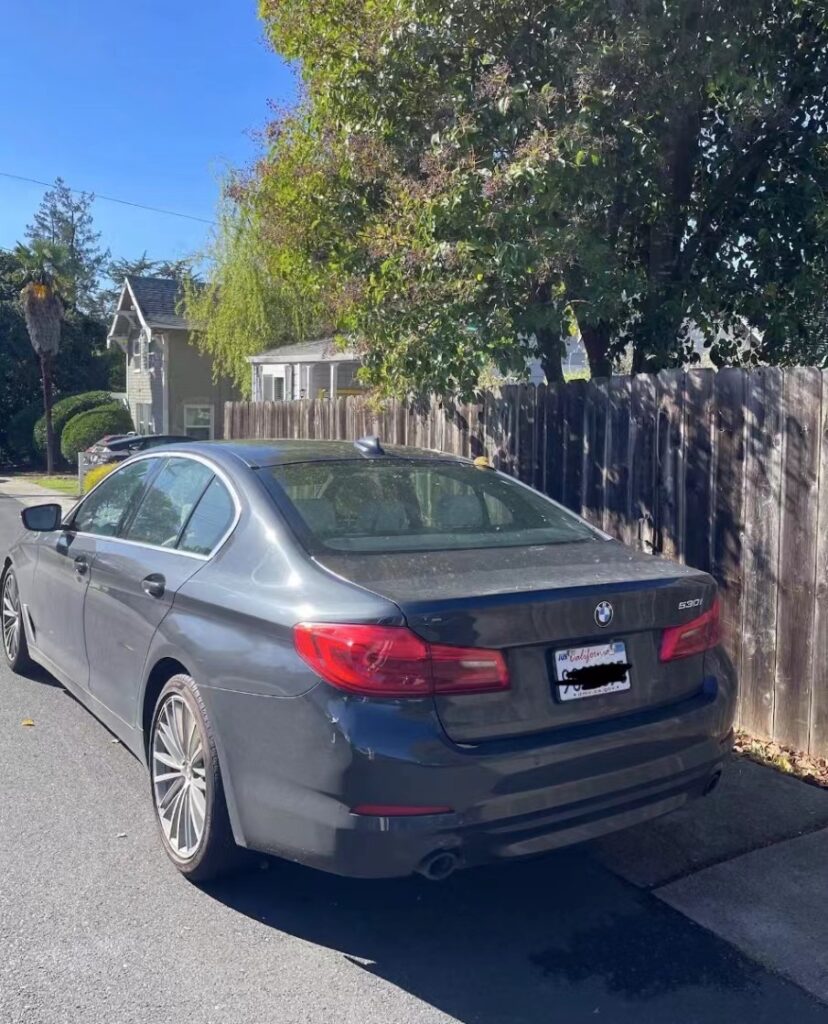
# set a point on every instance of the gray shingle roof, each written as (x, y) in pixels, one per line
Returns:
(322, 350)
(157, 299)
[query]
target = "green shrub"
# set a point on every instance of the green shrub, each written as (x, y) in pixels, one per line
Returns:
(63, 411)
(87, 427)
(20, 431)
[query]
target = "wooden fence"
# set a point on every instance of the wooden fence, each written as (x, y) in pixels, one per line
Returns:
(726, 471)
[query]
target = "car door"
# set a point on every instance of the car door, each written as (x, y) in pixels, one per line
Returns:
(136, 578)
(65, 567)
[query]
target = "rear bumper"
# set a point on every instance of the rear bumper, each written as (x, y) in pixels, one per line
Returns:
(294, 768)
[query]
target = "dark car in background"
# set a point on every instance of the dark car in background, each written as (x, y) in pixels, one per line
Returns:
(117, 447)
(371, 660)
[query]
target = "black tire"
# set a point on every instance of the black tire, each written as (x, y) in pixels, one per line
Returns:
(17, 656)
(216, 853)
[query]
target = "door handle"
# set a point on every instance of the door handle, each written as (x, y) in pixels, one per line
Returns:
(81, 565)
(154, 584)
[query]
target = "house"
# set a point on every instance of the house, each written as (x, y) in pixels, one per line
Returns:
(170, 387)
(313, 369)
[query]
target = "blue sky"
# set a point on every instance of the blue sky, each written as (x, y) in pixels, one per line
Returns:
(149, 102)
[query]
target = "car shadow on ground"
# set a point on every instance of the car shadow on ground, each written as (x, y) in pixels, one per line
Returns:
(509, 943)
(35, 674)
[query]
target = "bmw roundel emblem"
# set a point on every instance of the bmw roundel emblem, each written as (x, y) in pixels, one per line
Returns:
(604, 613)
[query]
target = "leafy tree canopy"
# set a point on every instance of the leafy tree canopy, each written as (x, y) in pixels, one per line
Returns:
(64, 219)
(467, 180)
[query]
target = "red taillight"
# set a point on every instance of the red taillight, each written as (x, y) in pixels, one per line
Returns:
(391, 661)
(693, 637)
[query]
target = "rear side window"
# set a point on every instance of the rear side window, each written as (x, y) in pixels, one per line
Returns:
(416, 505)
(110, 504)
(168, 502)
(210, 520)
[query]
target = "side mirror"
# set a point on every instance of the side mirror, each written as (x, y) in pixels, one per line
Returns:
(42, 518)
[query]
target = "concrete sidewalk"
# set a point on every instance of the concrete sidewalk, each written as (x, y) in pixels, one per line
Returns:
(748, 863)
(27, 492)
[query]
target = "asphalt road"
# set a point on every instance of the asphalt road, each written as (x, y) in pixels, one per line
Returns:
(96, 925)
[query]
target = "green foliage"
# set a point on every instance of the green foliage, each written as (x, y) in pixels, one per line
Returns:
(64, 219)
(19, 434)
(87, 427)
(256, 299)
(63, 411)
(82, 363)
(473, 179)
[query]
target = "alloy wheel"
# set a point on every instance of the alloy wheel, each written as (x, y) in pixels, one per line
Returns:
(179, 777)
(11, 617)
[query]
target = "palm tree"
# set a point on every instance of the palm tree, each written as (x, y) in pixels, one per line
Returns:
(41, 264)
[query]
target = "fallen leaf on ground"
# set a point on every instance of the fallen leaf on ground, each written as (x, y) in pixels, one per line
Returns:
(813, 770)
(27, 722)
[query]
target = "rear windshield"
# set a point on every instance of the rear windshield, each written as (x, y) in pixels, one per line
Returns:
(403, 505)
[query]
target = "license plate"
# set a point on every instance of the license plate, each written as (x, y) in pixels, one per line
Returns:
(592, 671)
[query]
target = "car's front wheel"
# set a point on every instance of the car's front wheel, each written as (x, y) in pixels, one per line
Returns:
(11, 617)
(187, 790)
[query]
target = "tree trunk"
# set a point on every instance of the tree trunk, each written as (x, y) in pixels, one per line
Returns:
(596, 338)
(46, 378)
(549, 353)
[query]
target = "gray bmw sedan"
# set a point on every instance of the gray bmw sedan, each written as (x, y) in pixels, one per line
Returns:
(372, 660)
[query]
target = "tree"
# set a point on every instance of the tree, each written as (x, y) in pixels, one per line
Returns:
(477, 177)
(44, 264)
(64, 219)
(260, 294)
(82, 363)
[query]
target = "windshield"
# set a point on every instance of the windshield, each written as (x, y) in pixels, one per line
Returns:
(427, 505)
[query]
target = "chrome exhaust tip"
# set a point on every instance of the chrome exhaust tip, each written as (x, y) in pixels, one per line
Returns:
(439, 865)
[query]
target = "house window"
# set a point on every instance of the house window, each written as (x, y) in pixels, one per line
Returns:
(273, 388)
(198, 422)
(143, 417)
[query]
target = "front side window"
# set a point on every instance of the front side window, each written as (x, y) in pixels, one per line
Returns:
(168, 502)
(416, 505)
(109, 505)
(198, 422)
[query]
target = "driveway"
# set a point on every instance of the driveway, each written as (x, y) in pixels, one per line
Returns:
(95, 925)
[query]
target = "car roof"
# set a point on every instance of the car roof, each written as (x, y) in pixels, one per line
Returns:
(260, 454)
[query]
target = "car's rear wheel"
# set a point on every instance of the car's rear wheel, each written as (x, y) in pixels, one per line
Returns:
(11, 617)
(187, 790)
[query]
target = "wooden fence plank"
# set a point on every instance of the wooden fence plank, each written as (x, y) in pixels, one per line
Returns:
(643, 457)
(669, 482)
(728, 510)
(760, 548)
(819, 676)
(525, 439)
(554, 445)
(596, 396)
(802, 398)
(574, 394)
(617, 488)
(698, 463)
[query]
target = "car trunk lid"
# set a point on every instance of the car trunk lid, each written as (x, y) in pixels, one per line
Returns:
(533, 604)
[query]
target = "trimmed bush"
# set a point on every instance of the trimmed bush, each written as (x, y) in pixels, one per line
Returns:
(63, 411)
(96, 474)
(88, 427)
(20, 431)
